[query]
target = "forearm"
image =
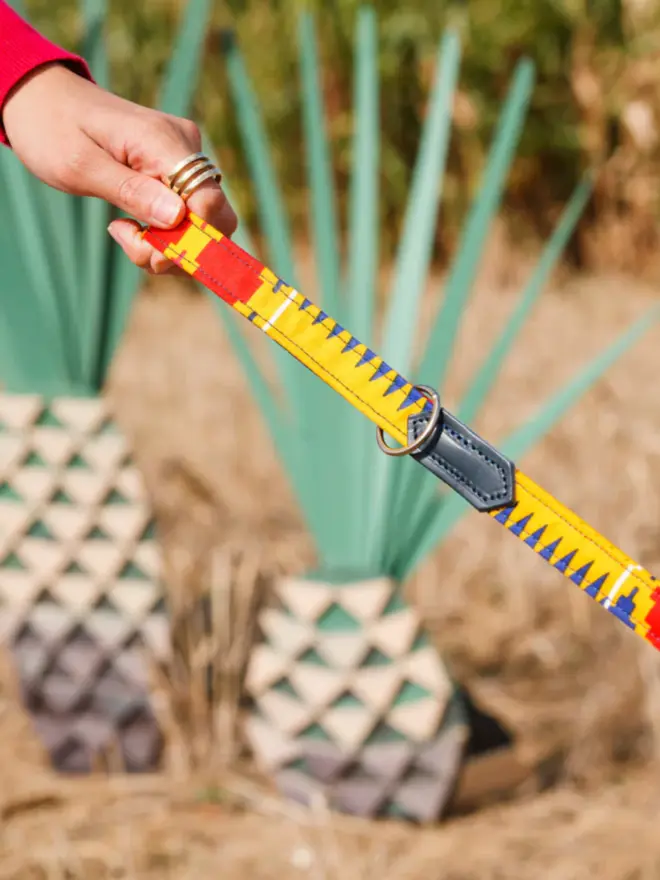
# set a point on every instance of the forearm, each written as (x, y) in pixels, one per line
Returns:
(22, 50)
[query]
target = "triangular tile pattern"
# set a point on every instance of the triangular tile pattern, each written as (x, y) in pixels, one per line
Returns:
(79, 581)
(352, 701)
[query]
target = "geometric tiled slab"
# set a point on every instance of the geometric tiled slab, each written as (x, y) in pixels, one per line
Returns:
(80, 585)
(352, 700)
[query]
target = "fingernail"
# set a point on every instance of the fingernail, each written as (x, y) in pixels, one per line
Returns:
(114, 233)
(166, 208)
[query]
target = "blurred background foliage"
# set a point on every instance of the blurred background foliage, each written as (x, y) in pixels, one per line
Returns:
(596, 102)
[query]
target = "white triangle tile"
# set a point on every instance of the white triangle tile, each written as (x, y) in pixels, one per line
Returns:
(270, 747)
(67, 522)
(285, 712)
(134, 598)
(35, 484)
(45, 558)
(395, 633)
(84, 414)
(54, 445)
(102, 559)
(19, 411)
(11, 620)
(148, 557)
(349, 727)
(85, 487)
(417, 720)
(13, 517)
(342, 650)
(77, 592)
(306, 599)
(366, 600)
(155, 631)
(423, 667)
(266, 666)
(377, 686)
(317, 686)
(109, 628)
(12, 452)
(51, 621)
(18, 589)
(286, 634)
(130, 483)
(124, 522)
(106, 451)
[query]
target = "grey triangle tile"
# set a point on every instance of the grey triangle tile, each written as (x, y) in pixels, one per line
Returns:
(363, 796)
(388, 760)
(423, 798)
(297, 786)
(325, 761)
(440, 756)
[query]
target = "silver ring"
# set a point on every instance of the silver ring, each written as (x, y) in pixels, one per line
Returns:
(426, 433)
(211, 173)
(189, 174)
(193, 157)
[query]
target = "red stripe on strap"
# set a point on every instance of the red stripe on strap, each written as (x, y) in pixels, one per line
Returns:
(224, 267)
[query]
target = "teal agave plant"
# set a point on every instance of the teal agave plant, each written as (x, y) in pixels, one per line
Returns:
(342, 688)
(77, 547)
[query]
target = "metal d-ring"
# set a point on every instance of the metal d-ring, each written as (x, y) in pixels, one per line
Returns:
(426, 433)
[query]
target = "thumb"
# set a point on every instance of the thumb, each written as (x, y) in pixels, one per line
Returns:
(143, 197)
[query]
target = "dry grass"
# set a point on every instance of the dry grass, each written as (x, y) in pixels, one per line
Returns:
(581, 694)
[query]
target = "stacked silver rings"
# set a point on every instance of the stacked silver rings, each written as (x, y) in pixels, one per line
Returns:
(188, 175)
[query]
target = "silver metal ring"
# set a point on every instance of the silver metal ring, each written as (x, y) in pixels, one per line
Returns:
(426, 433)
(189, 174)
(193, 185)
(193, 157)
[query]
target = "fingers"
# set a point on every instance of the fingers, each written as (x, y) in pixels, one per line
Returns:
(127, 234)
(210, 203)
(141, 196)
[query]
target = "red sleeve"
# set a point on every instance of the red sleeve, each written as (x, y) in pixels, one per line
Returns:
(22, 49)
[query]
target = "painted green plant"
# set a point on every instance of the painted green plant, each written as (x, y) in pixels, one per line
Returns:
(66, 289)
(368, 514)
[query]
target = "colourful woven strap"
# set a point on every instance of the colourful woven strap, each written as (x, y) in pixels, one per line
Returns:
(553, 531)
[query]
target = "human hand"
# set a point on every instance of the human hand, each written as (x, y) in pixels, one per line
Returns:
(83, 140)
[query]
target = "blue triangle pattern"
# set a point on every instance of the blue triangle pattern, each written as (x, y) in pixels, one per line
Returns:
(413, 396)
(380, 372)
(320, 317)
(581, 573)
(397, 383)
(252, 316)
(562, 564)
(350, 345)
(428, 407)
(533, 540)
(594, 588)
(278, 286)
(304, 304)
(503, 516)
(518, 527)
(368, 356)
(336, 330)
(547, 552)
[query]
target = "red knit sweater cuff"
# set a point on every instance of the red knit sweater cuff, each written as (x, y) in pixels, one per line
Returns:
(22, 50)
